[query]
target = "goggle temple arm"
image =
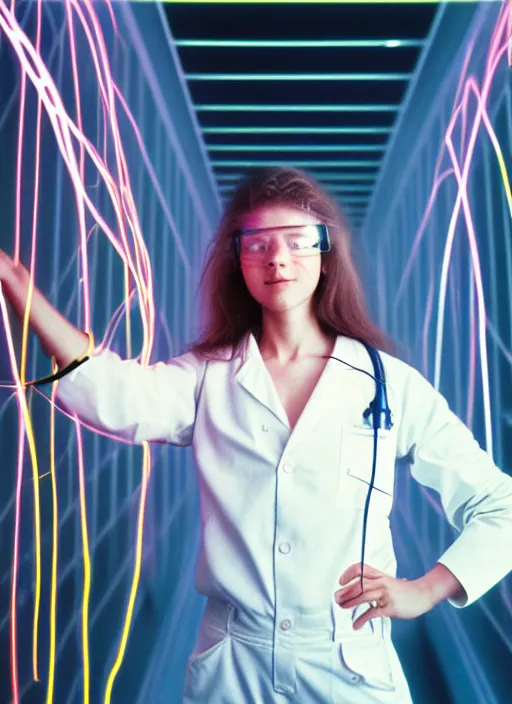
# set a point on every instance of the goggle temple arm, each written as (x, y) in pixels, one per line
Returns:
(325, 242)
(236, 247)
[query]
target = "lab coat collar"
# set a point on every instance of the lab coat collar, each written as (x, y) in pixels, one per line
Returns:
(254, 377)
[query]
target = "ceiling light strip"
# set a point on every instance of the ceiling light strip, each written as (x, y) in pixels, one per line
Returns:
(334, 187)
(326, 163)
(296, 147)
(348, 189)
(348, 195)
(323, 177)
(353, 207)
(350, 211)
(297, 130)
(230, 107)
(298, 76)
(301, 43)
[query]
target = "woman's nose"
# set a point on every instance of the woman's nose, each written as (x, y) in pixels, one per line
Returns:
(279, 252)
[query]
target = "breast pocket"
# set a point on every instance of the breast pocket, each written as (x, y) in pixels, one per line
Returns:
(357, 452)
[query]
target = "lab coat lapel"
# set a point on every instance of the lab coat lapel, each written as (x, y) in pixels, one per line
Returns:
(253, 376)
(333, 393)
(326, 398)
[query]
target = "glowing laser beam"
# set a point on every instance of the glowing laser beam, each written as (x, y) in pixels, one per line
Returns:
(136, 573)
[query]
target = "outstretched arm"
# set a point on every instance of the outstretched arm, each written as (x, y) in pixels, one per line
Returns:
(59, 338)
(115, 396)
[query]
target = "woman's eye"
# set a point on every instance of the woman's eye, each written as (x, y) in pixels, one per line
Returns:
(257, 247)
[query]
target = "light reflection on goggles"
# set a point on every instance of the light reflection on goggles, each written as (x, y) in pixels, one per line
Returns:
(302, 240)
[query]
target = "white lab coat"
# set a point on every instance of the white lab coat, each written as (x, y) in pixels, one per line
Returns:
(282, 511)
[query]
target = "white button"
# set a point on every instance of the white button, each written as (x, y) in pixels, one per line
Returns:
(286, 625)
(287, 468)
(264, 428)
(285, 548)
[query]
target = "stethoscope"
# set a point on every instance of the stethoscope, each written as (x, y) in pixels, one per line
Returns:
(378, 415)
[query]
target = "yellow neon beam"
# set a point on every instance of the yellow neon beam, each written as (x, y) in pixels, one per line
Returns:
(55, 547)
(35, 476)
(146, 470)
(86, 557)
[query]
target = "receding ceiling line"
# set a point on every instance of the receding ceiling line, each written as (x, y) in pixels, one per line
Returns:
(325, 163)
(319, 175)
(356, 197)
(349, 210)
(298, 76)
(354, 189)
(353, 206)
(336, 188)
(296, 147)
(228, 107)
(297, 130)
(300, 43)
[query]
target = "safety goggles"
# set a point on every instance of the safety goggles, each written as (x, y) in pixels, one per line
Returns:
(256, 244)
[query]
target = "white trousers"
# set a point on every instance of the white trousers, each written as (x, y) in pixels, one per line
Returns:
(240, 658)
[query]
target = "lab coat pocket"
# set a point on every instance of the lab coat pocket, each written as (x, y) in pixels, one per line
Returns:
(210, 641)
(366, 661)
(357, 450)
(205, 665)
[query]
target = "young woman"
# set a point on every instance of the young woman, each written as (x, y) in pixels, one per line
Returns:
(273, 400)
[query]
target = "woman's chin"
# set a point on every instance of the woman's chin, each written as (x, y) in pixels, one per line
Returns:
(281, 304)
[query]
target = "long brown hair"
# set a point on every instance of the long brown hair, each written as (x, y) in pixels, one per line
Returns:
(229, 310)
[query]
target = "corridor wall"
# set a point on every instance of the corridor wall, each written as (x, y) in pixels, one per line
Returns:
(157, 187)
(440, 277)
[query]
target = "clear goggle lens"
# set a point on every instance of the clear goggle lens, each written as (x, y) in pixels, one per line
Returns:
(303, 240)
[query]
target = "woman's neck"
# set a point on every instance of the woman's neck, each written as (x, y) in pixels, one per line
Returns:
(285, 339)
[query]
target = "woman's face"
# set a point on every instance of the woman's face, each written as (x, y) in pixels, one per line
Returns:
(300, 273)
